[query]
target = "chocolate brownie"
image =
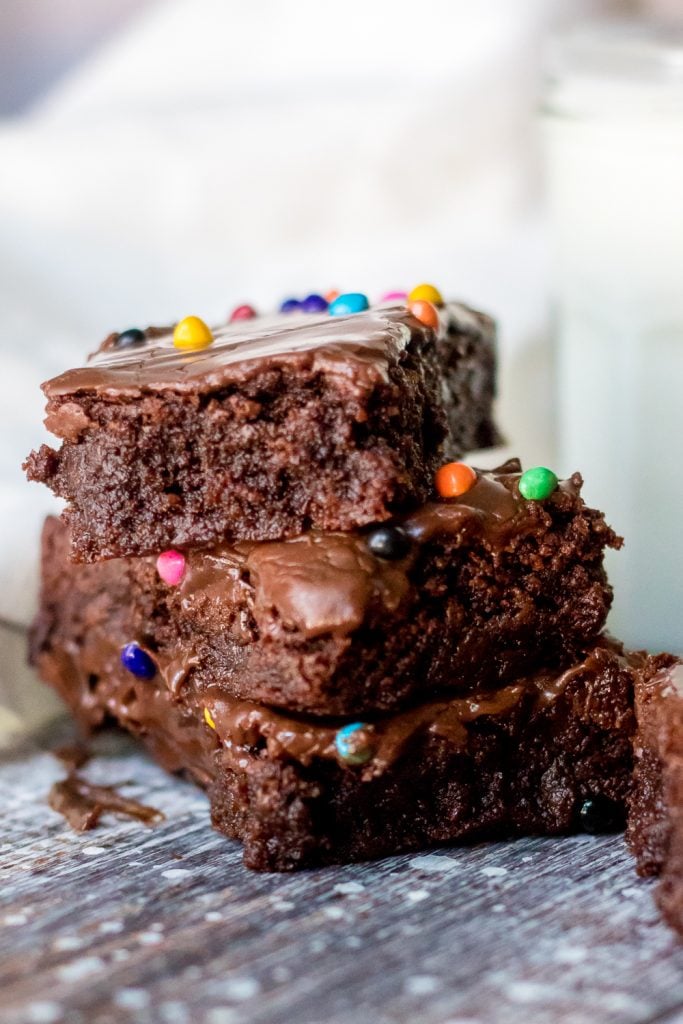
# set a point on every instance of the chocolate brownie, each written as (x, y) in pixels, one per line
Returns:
(280, 425)
(655, 826)
(459, 594)
(531, 757)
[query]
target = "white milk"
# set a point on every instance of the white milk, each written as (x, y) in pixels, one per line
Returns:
(614, 133)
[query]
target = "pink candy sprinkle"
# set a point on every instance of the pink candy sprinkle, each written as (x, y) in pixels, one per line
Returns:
(394, 297)
(171, 567)
(242, 313)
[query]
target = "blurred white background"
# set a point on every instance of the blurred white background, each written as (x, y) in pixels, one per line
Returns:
(160, 159)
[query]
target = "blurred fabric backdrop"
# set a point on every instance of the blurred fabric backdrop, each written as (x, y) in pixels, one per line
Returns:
(160, 159)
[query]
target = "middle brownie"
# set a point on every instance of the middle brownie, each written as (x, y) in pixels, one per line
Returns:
(456, 596)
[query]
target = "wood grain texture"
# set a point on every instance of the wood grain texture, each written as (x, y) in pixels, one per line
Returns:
(134, 924)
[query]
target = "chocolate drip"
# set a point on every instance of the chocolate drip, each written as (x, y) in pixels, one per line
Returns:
(82, 803)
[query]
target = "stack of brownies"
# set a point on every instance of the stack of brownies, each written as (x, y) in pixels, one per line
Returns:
(272, 569)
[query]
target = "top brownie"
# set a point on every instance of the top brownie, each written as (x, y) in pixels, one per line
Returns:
(280, 425)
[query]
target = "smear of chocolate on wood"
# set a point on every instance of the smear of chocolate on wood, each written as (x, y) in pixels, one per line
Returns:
(73, 755)
(83, 803)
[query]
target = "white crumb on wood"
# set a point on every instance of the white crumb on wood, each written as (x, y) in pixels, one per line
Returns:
(79, 969)
(132, 998)
(44, 1012)
(422, 985)
(417, 895)
(432, 863)
(349, 888)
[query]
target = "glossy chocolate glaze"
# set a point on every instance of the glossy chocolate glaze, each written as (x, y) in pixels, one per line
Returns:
(362, 346)
(242, 725)
(324, 583)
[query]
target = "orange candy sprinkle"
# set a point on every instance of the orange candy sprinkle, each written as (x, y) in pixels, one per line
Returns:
(454, 479)
(425, 312)
(332, 295)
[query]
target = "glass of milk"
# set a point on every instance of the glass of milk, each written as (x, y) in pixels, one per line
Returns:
(613, 126)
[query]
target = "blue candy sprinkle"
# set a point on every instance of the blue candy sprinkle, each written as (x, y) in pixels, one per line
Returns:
(350, 746)
(350, 302)
(314, 303)
(290, 306)
(138, 662)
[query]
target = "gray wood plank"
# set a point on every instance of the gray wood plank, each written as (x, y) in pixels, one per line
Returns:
(164, 925)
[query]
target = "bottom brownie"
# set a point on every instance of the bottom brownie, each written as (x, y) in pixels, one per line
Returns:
(655, 825)
(539, 756)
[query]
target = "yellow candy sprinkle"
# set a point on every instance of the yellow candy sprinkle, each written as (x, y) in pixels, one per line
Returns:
(192, 333)
(426, 292)
(208, 719)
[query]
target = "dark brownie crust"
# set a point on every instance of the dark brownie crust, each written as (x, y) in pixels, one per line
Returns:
(490, 586)
(281, 425)
(518, 759)
(655, 825)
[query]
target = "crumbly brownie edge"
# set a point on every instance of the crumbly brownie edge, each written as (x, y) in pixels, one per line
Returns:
(655, 820)
(292, 446)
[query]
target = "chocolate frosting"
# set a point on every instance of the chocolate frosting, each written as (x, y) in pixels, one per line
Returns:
(362, 347)
(322, 583)
(241, 725)
(325, 583)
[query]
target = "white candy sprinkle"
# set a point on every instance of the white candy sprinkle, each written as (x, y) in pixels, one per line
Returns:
(494, 872)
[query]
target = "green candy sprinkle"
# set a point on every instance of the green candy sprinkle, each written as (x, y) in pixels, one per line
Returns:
(537, 484)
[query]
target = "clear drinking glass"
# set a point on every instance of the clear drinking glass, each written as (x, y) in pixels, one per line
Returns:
(613, 127)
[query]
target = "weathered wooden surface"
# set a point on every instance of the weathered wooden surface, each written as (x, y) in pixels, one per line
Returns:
(164, 925)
